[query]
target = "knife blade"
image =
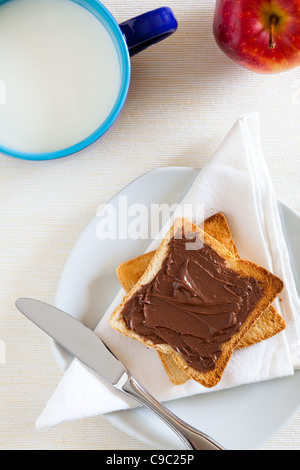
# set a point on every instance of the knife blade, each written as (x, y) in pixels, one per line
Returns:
(73, 336)
(86, 346)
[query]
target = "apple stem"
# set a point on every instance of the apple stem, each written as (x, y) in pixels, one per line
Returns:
(273, 22)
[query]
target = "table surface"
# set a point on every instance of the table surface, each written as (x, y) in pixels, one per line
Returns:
(185, 95)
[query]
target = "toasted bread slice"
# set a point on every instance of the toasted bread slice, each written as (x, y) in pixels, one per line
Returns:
(269, 324)
(270, 286)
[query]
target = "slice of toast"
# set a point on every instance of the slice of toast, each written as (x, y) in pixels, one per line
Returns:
(270, 286)
(269, 324)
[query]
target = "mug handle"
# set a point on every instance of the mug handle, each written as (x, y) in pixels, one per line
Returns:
(148, 28)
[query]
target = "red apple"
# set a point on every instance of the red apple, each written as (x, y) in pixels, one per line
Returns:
(261, 35)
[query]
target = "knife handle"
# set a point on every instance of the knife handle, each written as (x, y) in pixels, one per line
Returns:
(191, 437)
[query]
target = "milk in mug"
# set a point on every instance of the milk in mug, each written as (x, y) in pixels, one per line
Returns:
(60, 74)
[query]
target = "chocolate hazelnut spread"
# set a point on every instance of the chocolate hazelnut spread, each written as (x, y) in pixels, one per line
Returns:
(195, 303)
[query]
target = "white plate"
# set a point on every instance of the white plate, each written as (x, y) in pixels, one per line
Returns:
(240, 418)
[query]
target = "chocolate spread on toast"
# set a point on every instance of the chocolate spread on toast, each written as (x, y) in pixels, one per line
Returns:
(195, 303)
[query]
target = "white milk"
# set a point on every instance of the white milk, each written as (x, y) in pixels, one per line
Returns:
(60, 74)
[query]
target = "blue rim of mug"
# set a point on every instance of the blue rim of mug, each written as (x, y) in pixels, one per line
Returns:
(93, 6)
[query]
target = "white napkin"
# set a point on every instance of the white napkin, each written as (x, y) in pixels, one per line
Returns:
(235, 181)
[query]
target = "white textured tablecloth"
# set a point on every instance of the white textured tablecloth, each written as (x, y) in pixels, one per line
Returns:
(185, 95)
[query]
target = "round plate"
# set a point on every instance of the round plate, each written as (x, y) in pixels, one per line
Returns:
(240, 418)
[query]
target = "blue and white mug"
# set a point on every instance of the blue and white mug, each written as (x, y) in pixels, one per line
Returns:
(130, 38)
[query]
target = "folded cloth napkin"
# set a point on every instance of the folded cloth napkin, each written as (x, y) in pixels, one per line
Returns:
(235, 181)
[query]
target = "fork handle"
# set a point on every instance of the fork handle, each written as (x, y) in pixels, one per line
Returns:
(191, 437)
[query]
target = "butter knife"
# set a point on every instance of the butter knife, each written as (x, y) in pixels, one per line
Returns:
(86, 346)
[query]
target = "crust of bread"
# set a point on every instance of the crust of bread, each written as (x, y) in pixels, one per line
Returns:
(270, 284)
(129, 272)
